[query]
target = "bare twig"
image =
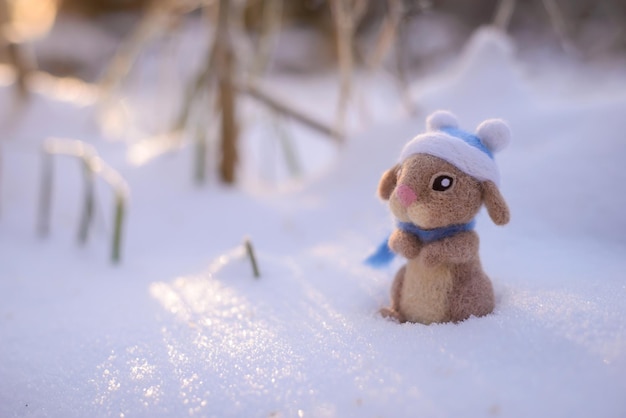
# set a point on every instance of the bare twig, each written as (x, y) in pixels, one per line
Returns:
(250, 252)
(261, 96)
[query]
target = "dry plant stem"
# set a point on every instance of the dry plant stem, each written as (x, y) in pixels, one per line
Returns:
(503, 14)
(45, 193)
(94, 165)
(252, 258)
(264, 98)
(346, 14)
(343, 28)
(226, 96)
(190, 97)
(88, 209)
(388, 33)
(118, 223)
(154, 19)
(200, 154)
(201, 82)
(271, 21)
(289, 152)
(403, 80)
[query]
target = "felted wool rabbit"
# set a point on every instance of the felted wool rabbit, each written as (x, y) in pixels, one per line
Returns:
(442, 179)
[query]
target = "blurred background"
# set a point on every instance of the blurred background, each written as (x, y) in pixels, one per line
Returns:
(591, 29)
(210, 59)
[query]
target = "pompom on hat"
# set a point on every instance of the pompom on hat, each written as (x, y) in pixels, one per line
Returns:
(470, 153)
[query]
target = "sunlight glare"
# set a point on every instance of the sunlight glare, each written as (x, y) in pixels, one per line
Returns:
(143, 151)
(31, 19)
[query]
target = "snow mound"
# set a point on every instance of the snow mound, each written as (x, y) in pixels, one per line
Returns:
(486, 76)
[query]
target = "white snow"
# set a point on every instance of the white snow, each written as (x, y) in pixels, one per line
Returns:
(181, 327)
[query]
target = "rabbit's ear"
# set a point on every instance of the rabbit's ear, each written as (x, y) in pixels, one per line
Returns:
(388, 182)
(495, 204)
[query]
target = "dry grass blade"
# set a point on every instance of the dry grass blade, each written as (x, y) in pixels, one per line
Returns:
(120, 214)
(252, 257)
(45, 194)
(89, 204)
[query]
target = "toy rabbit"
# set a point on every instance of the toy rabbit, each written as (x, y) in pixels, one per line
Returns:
(442, 179)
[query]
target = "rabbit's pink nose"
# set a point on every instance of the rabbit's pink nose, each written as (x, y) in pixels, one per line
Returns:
(406, 195)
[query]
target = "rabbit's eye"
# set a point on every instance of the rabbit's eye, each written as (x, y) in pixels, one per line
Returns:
(442, 183)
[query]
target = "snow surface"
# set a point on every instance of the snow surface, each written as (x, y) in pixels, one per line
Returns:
(181, 327)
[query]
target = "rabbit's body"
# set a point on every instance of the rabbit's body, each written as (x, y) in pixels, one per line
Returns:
(444, 292)
(435, 200)
(426, 292)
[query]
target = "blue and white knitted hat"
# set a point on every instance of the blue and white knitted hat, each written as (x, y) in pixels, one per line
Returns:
(470, 153)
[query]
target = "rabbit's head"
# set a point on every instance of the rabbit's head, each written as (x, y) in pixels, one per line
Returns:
(445, 175)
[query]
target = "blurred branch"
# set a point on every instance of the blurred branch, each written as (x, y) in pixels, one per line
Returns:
(286, 144)
(401, 64)
(153, 21)
(388, 33)
(128, 51)
(196, 87)
(392, 34)
(559, 25)
(270, 23)
(226, 95)
(258, 94)
(346, 14)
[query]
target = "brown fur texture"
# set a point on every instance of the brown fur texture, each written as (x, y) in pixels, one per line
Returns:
(442, 281)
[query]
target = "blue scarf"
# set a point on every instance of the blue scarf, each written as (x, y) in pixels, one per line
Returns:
(383, 255)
